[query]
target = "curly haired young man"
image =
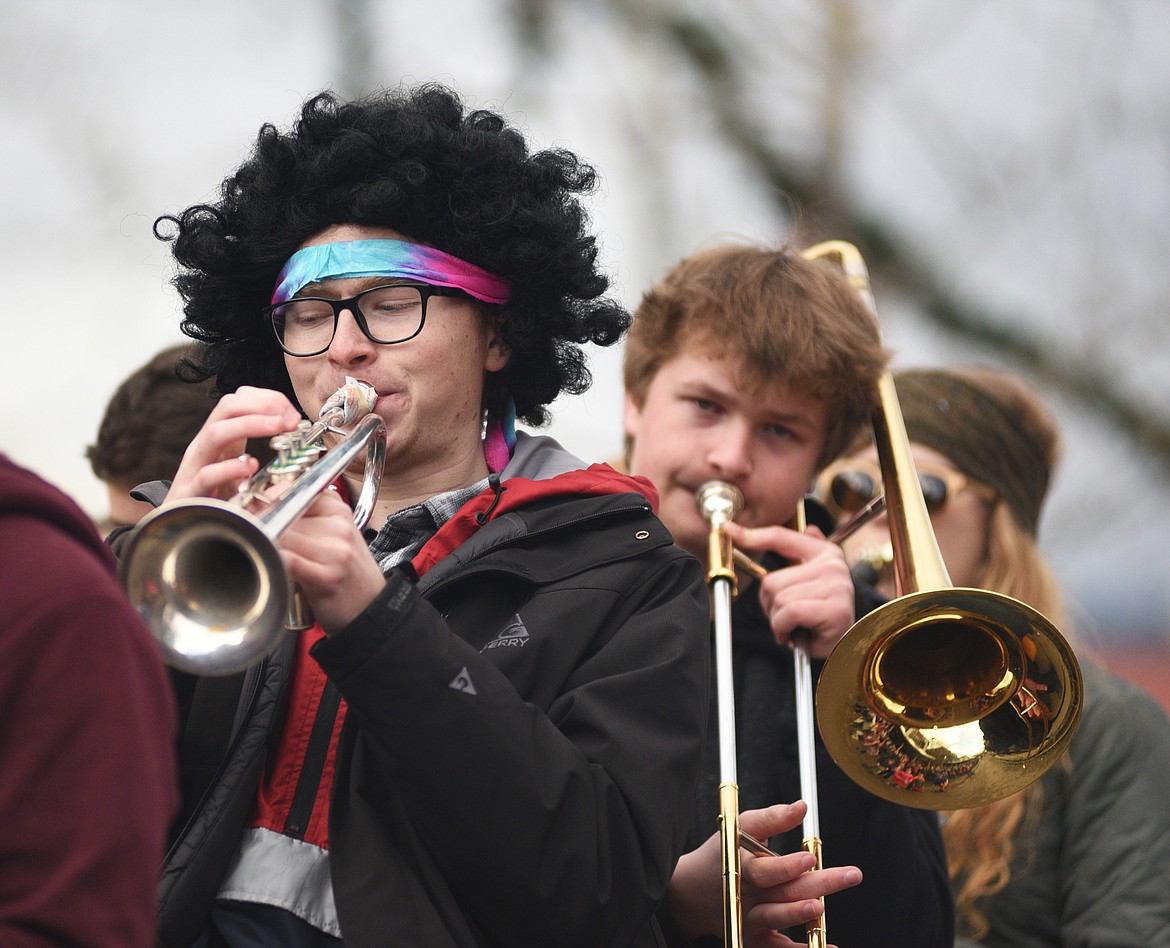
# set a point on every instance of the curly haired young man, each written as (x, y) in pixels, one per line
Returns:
(493, 735)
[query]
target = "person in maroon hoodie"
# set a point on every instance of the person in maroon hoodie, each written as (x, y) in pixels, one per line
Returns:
(87, 785)
(493, 734)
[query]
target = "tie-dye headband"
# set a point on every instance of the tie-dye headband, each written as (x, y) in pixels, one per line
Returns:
(389, 258)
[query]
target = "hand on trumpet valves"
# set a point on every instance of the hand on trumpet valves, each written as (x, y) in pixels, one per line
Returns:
(216, 461)
(326, 554)
(776, 892)
(813, 592)
(329, 560)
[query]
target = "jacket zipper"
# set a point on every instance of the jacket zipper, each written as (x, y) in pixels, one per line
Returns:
(262, 666)
(313, 766)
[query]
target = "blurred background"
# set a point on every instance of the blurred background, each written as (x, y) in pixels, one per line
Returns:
(1003, 166)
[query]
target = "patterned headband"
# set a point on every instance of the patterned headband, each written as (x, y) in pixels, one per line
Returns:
(389, 258)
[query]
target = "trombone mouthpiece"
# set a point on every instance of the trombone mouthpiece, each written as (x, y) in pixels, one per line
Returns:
(719, 501)
(355, 399)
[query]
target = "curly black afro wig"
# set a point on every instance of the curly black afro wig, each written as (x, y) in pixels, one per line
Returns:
(417, 161)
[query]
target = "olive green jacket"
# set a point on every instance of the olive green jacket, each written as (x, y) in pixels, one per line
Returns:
(1094, 870)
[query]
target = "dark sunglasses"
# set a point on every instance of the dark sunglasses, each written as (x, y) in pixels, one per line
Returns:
(848, 484)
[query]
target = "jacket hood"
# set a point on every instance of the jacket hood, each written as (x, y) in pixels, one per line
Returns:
(24, 493)
(541, 458)
(540, 469)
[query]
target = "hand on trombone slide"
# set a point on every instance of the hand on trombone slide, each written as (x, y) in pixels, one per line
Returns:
(814, 592)
(777, 890)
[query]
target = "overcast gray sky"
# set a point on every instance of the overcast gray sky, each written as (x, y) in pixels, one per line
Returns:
(990, 131)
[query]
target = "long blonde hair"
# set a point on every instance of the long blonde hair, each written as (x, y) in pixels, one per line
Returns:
(980, 842)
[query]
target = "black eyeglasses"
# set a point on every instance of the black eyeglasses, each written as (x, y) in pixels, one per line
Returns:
(847, 485)
(305, 325)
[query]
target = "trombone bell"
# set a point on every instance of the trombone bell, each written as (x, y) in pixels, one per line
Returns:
(944, 698)
(908, 708)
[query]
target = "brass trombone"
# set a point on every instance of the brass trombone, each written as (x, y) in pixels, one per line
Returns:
(719, 503)
(807, 757)
(944, 697)
(206, 574)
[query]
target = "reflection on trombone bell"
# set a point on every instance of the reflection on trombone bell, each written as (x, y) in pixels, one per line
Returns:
(944, 697)
(206, 574)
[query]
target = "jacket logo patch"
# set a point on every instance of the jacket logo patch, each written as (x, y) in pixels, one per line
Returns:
(514, 635)
(462, 682)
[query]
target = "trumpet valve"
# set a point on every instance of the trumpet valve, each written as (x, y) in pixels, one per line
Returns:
(295, 452)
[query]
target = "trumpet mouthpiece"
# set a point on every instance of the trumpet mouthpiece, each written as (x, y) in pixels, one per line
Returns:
(355, 399)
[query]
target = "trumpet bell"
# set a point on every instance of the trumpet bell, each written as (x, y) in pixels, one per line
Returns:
(209, 582)
(949, 699)
(207, 576)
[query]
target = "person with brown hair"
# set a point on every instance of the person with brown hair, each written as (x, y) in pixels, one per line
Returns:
(147, 425)
(1082, 856)
(754, 366)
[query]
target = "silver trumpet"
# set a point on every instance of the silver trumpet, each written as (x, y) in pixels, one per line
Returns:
(206, 575)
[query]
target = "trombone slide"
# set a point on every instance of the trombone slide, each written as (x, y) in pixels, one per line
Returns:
(719, 503)
(806, 751)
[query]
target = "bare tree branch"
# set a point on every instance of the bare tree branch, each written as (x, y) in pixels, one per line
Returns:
(825, 212)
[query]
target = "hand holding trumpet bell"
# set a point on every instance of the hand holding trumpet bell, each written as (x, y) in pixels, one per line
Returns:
(325, 554)
(329, 560)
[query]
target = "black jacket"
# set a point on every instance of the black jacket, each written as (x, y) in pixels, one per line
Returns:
(534, 793)
(905, 896)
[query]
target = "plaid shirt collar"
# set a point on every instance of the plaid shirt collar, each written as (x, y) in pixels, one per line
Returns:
(405, 532)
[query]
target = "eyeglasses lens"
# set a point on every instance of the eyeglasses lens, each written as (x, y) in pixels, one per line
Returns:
(391, 314)
(851, 490)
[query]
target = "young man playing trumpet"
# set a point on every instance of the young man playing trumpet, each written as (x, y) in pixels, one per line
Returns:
(757, 367)
(493, 735)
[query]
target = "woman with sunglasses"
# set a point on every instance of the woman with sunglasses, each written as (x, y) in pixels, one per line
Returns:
(1081, 857)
